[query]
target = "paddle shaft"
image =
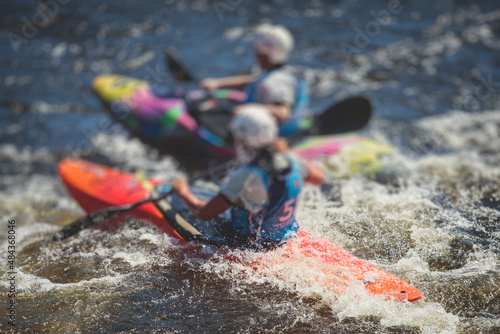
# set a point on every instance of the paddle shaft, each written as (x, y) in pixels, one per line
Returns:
(180, 73)
(100, 216)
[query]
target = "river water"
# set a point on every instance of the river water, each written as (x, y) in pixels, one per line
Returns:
(432, 71)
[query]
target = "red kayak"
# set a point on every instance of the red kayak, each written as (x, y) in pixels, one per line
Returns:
(96, 187)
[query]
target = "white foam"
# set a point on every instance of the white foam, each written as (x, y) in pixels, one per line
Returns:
(235, 33)
(29, 284)
(134, 259)
(135, 154)
(466, 130)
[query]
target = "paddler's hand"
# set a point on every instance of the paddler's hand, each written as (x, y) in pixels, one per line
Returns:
(209, 84)
(180, 186)
(280, 145)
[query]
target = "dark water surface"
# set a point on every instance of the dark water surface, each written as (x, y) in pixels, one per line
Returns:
(432, 71)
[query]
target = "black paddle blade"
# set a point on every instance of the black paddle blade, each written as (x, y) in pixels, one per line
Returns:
(90, 220)
(175, 67)
(348, 115)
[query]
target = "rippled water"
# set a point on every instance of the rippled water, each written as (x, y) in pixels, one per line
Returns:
(433, 73)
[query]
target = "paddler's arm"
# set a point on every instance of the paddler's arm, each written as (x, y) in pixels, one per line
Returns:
(313, 174)
(200, 208)
(236, 82)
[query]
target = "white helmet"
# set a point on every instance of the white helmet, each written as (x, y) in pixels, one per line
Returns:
(274, 41)
(252, 128)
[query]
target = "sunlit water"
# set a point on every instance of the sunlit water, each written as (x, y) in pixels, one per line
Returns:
(433, 74)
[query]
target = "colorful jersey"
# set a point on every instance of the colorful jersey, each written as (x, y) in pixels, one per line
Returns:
(264, 205)
(280, 86)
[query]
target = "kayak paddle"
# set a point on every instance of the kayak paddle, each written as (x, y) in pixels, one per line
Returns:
(348, 115)
(176, 68)
(345, 116)
(180, 73)
(99, 216)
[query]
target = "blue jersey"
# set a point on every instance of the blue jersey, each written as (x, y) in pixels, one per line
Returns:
(275, 220)
(298, 102)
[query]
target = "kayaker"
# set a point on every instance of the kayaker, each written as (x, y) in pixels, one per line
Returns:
(263, 192)
(276, 88)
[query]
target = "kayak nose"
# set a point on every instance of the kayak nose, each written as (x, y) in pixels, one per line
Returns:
(103, 86)
(100, 82)
(110, 87)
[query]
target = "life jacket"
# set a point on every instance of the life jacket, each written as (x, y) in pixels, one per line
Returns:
(277, 220)
(292, 125)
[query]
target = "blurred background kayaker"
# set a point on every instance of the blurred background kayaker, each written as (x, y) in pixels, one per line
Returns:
(276, 88)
